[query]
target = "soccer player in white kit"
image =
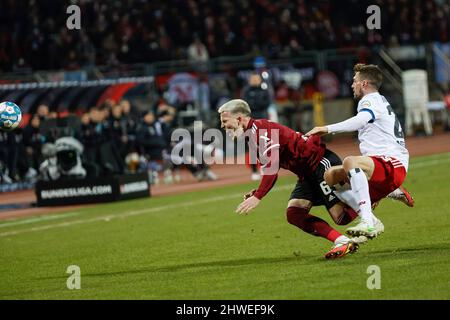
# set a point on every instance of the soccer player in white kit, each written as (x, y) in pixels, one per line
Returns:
(383, 165)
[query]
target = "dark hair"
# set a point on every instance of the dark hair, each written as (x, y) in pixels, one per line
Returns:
(163, 113)
(369, 72)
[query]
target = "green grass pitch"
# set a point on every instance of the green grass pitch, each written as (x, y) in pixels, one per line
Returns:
(193, 246)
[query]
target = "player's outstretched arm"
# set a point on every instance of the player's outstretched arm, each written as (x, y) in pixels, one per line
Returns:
(317, 131)
(353, 124)
(252, 199)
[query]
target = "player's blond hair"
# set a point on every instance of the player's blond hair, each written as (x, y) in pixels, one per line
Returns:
(236, 106)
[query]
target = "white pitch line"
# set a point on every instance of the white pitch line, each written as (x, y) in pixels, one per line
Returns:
(38, 219)
(131, 213)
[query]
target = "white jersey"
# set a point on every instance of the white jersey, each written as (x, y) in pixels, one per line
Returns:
(383, 135)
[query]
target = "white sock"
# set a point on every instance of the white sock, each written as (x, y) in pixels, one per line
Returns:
(348, 197)
(397, 193)
(341, 239)
(360, 188)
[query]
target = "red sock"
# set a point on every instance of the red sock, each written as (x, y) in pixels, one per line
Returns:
(301, 218)
(347, 216)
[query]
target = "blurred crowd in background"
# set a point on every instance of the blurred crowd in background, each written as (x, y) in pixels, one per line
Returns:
(33, 33)
(113, 139)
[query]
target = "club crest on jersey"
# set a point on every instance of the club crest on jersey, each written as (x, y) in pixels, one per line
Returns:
(365, 104)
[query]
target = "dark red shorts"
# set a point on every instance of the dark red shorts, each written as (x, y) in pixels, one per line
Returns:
(387, 176)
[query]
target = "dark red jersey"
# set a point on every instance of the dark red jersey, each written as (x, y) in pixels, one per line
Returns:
(281, 147)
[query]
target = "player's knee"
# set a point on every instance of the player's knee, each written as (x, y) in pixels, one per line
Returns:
(349, 163)
(335, 175)
(296, 215)
(328, 176)
(301, 218)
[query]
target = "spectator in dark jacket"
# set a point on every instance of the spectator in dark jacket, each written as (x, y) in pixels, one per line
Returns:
(130, 120)
(257, 96)
(150, 137)
(33, 140)
(118, 127)
(97, 140)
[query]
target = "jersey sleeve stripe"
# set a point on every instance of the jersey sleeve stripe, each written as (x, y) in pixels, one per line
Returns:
(371, 113)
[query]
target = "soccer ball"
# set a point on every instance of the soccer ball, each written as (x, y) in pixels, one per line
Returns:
(10, 116)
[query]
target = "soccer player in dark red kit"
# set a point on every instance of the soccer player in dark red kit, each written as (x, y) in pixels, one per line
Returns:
(278, 146)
